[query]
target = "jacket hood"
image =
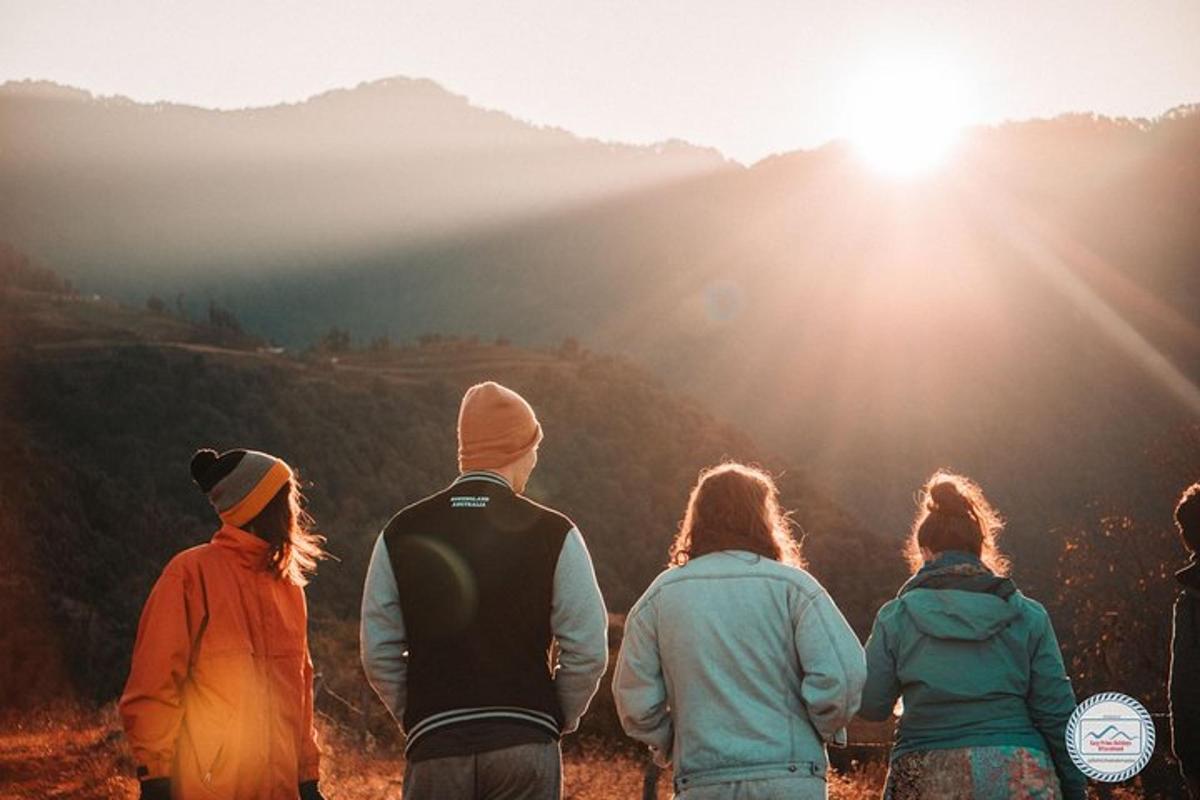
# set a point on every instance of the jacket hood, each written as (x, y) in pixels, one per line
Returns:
(1189, 576)
(959, 614)
(957, 597)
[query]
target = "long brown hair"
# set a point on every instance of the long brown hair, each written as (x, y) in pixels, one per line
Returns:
(735, 507)
(954, 514)
(287, 527)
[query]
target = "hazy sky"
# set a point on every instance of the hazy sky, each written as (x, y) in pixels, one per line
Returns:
(750, 77)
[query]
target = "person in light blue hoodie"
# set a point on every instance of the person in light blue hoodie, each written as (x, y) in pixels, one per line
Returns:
(736, 665)
(986, 698)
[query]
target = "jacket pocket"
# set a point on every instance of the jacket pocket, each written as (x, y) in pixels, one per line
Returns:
(207, 773)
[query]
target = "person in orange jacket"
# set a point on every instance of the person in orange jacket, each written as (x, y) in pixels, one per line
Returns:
(219, 701)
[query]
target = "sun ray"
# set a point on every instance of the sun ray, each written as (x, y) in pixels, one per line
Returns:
(1061, 261)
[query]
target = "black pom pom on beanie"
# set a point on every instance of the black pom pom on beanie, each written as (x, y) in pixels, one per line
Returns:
(208, 468)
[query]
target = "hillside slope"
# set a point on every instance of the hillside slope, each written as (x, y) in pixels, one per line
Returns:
(100, 420)
(997, 318)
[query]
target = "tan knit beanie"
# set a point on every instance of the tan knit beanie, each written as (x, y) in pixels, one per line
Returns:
(495, 427)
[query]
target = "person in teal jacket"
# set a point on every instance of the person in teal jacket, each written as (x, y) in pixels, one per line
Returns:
(985, 698)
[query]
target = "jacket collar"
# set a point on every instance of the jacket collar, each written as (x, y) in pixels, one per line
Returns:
(956, 569)
(483, 475)
(250, 549)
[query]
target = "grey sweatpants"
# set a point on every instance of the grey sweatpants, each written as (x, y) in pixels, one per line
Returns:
(524, 772)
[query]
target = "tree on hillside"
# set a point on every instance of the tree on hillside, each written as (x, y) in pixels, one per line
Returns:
(18, 271)
(223, 319)
(1112, 615)
(335, 340)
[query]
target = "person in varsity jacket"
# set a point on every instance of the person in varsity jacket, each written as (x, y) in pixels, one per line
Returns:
(466, 593)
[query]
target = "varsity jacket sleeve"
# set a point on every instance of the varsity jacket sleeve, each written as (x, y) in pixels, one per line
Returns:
(639, 689)
(1183, 688)
(882, 688)
(833, 663)
(383, 641)
(579, 622)
(1051, 701)
(152, 704)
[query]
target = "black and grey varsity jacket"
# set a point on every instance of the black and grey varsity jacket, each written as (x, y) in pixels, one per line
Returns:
(465, 592)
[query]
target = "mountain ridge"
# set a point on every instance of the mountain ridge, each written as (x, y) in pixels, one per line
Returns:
(394, 88)
(980, 318)
(422, 86)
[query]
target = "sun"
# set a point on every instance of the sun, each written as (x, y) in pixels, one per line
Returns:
(903, 113)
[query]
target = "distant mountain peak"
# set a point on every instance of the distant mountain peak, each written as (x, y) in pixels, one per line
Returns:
(395, 86)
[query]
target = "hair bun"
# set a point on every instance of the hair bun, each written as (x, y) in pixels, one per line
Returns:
(945, 498)
(202, 463)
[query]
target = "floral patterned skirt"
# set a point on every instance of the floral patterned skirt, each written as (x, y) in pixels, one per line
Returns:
(973, 773)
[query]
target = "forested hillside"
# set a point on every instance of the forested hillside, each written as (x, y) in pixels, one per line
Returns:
(993, 318)
(101, 407)
(1028, 316)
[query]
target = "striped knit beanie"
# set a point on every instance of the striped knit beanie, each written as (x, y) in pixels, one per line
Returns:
(239, 483)
(495, 427)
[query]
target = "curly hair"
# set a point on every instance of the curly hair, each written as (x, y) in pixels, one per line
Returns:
(735, 507)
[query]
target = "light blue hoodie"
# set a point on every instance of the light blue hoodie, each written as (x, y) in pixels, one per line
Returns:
(741, 668)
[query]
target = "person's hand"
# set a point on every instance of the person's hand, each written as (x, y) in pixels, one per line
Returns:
(309, 791)
(156, 789)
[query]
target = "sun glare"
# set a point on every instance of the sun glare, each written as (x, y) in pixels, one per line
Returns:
(904, 114)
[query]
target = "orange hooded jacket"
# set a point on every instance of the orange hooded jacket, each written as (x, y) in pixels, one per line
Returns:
(219, 695)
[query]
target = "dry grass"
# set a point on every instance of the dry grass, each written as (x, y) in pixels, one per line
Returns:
(83, 756)
(66, 754)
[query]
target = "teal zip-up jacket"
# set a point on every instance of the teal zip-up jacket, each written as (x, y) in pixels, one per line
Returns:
(976, 663)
